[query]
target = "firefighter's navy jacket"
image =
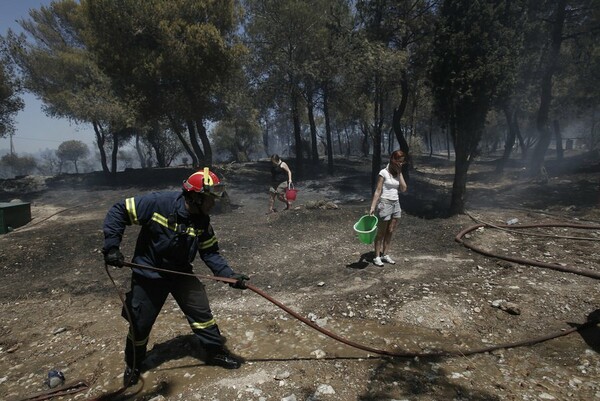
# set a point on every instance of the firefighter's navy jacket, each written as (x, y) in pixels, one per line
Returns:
(169, 237)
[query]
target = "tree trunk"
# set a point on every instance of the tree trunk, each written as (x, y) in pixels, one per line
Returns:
(208, 159)
(297, 134)
(266, 137)
(365, 140)
(400, 135)
(348, 147)
(465, 143)
(138, 149)
(522, 144)
(511, 136)
(558, 136)
(376, 158)
(430, 134)
(177, 130)
(398, 131)
(593, 123)
(459, 185)
(100, 139)
(377, 129)
(466, 128)
(448, 143)
(536, 165)
(156, 145)
(115, 152)
(313, 130)
(329, 141)
(194, 141)
(399, 112)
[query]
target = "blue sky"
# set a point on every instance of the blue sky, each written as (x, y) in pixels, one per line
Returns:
(34, 130)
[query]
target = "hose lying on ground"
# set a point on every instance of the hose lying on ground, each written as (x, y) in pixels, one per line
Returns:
(401, 354)
(522, 261)
(82, 386)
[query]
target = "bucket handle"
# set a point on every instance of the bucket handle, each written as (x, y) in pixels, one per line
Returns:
(290, 185)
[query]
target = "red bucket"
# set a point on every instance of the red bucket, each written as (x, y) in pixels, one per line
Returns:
(290, 193)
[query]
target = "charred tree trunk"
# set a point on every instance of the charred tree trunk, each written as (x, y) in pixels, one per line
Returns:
(265, 137)
(329, 140)
(459, 185)
(194, 141)
(115, 152)
(402, 142)
(138, 149)
(177, 130)
(448, 144)
(297, 135)
(208, 159)
(558, 137)
(155, 142)
(314, 151)
(377, 129)
(399, 112)
(430, 135)
(100, 140)
(536, 166)
(365, 140)
(511, 136)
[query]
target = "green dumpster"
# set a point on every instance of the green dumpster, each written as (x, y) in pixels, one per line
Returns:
(13, 215)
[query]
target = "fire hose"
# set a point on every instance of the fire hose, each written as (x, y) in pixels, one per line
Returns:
(400, 354)
(522, 261)
(82, 386)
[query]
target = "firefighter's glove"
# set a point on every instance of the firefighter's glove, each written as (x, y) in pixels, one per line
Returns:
(114, 257)
(240, 283)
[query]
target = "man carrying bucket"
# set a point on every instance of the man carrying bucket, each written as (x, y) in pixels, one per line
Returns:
(281, 180)
(387, 203)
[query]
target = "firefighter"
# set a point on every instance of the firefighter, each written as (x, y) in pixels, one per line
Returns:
(174, 227)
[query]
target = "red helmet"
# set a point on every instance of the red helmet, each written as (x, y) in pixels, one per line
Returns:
(204, 182)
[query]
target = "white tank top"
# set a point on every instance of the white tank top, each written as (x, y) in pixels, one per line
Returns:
(390, 186)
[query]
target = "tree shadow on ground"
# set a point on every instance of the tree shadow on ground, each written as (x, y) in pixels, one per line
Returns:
(417, 379)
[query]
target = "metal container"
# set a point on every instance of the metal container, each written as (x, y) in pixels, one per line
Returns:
(13, 215)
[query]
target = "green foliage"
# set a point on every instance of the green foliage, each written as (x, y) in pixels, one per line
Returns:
(20, 165)
(576, 81)
(165, 56)
(10, 102)
(473, 56)
(239, 137)
(57, 67)
(72, 151)
(164, 143)
(55, 64)
(293, 43)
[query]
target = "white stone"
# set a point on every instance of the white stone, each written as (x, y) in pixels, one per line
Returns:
(319, 353)
(325, 389)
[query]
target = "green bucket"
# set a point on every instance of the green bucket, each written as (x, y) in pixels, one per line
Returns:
(366, 228)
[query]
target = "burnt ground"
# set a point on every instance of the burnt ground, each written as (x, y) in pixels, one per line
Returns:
(59, 309)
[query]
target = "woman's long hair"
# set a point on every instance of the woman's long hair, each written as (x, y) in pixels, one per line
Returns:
(397, 159)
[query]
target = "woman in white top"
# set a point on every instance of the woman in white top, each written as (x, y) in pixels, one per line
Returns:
(387, 202)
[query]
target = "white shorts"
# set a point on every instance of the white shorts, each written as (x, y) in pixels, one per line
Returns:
(388, 209)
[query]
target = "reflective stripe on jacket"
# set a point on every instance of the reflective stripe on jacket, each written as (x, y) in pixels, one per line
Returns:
(169, 237)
